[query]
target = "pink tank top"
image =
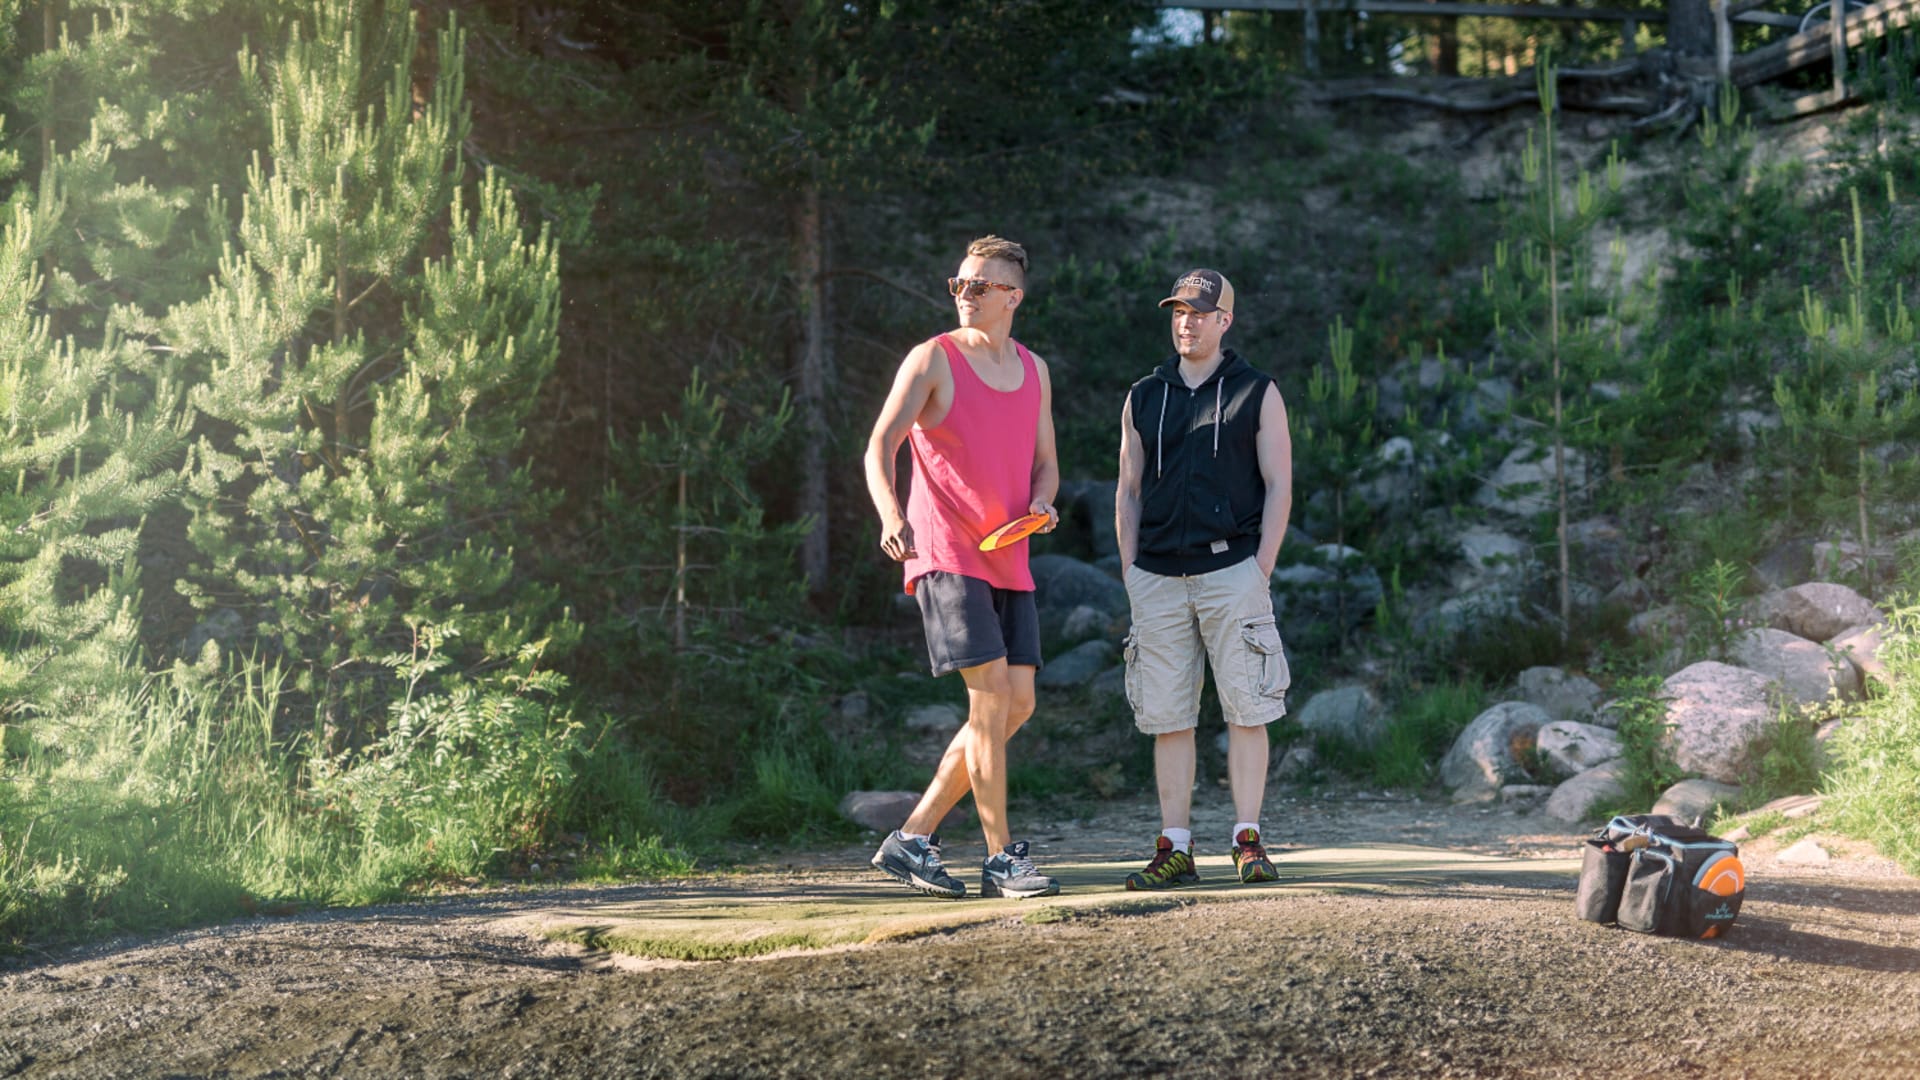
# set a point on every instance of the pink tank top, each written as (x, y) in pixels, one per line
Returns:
(972, 473)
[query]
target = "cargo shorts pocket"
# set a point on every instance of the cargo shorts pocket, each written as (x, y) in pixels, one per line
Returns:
(1266, 660)
(1130, 652)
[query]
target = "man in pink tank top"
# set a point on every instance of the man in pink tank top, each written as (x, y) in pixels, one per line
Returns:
(977, 409)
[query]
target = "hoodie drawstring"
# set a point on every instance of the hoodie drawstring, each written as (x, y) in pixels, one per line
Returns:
(1160, 433)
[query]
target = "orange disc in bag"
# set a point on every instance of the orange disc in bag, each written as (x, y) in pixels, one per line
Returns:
(1723, 877)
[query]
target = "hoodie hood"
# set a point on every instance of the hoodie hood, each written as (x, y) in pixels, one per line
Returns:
(1230, 364)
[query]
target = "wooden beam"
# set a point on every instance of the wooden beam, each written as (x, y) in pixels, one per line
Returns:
(1426, 7)
(1816, 45)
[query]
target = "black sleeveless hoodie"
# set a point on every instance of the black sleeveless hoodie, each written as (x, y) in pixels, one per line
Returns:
(1202, 496)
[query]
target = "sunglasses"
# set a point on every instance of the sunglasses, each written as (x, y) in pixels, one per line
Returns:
(974, 288)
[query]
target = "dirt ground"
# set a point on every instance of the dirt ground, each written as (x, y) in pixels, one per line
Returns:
(1469, 978)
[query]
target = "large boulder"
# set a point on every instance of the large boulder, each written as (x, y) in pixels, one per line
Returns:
(1314, 590)
(1784, 564)
(1716, 710)
(1694, 800)
(1062, 583)
(1572, 748)
(1588, 793)
(939, 718)
(1601, 553)
(1523, 485)
(1471, 613)
(1482, 759)
(1809, 674)
(1861, 645)
(1350, 714)
(1077, 666)
(885, 811)
(1092, 507)
(1564, 696)
(1817, 610)
(1486, 554)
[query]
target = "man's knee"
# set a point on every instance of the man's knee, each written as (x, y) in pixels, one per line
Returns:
(1020, 706)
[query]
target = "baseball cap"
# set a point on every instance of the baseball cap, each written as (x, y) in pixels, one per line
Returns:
(1202, 290)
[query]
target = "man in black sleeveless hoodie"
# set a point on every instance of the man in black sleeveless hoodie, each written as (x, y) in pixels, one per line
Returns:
(1206, 473)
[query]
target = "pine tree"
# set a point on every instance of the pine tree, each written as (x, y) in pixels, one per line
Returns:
(94, 250)
(1338, 432)
(1549, 307)
(369, 351)
(1839, 398)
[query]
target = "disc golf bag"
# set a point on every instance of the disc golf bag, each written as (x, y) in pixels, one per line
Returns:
(1654, 875)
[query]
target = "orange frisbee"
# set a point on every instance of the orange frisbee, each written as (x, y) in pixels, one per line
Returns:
(1013, 532)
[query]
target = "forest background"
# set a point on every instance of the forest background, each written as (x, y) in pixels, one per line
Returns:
(432, 429)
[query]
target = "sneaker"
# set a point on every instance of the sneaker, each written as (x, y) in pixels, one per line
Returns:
(1251, 859)
(1010, 873)
(1170, 869)
(916, 864)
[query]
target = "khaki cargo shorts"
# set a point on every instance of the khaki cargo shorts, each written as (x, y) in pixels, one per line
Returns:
(1180, 623)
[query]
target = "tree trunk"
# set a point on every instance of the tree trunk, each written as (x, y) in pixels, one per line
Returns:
(1690, 27)
(1443, 52)
(816, 362)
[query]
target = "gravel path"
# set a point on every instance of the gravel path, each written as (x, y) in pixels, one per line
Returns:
(1818, 978)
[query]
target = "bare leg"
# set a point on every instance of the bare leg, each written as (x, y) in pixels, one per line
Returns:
(950, 781)
(1173, 765)
(1247, 769)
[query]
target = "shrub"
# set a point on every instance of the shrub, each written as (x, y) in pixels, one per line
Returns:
(1875, 787)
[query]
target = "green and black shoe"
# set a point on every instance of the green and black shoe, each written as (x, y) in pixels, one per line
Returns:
(1169, 869)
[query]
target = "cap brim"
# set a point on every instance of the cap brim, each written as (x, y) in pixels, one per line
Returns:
(1197, 303)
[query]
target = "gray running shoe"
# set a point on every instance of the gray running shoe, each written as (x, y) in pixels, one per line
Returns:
(1011, 873)
(916, 864)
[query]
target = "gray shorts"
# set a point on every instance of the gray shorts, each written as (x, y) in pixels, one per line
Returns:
(970, 623)
(1182, 623)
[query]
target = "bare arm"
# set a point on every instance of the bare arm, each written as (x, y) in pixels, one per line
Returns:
(1126, 501)
(912, 387)
(1046, 459)
(1276, 470)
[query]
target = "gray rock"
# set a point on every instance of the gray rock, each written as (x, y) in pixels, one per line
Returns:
(1062, 583)
(1564, 696)
(1818, 610)
(1094, 500)
(1471, 613)
(1524, 794)
(1861, 646)
(939, 718)
(1750, 424)
(1716, 710)
(1349, 713)
(1793, 807)
(855, 706)
(1787, 563)
(1077, 666)
(1523, 485)
(1490, 553)
(1823, 740)
(1691, 800)
(1631, 593)
(885, 811)
(1803, 668)
(1481, 760)
(1312, 591)
(1659, 624)
(1109, 685)
(1297, 763)
(1087, 621)
(1571, 747)
(1588, 793)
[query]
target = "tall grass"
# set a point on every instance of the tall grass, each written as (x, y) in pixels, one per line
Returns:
(1875, 785)
(186, 799)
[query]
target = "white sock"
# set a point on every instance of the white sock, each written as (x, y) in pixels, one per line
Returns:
(911, 835)
(1181, 839)
(1240, 827)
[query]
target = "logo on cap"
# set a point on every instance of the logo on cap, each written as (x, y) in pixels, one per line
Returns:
(1202, 290)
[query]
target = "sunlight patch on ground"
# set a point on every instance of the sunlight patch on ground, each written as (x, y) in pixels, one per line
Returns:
(748, 918)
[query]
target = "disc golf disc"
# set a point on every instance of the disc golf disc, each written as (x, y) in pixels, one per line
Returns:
(1013, 532)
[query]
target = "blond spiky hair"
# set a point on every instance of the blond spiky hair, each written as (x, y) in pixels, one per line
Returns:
(1001, 249)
